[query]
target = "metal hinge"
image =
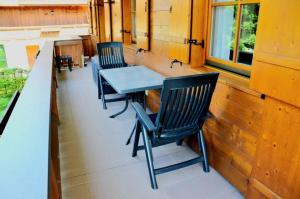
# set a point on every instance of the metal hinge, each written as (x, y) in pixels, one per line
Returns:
(195, 42)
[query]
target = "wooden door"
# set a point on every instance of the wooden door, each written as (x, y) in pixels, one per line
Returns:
(198, 33)
(117, 21)
(32, 51)
(142, 24)
(179, 30)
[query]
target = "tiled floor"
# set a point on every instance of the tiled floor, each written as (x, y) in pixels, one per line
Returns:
(96, 163)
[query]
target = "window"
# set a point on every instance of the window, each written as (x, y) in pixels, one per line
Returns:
(3, 62)
(232, 35)
(133, 21)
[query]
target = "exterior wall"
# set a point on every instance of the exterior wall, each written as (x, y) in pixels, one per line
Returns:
(33, 25)
(43, 16)
(16, 54)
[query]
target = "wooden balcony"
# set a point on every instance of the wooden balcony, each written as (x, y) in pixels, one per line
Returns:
(59, 142)
(96, 163)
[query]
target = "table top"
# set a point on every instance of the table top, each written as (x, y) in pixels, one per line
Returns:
(132, 79)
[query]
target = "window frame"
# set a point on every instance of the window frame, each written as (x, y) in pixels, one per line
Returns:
(229, 64)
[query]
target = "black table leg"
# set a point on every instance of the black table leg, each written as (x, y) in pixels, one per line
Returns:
(122, 111)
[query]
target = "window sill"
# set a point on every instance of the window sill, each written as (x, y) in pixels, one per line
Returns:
(232, 80)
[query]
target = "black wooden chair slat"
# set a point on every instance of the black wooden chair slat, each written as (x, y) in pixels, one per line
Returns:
(184, 107)
(192, 104)
(167, 114)
(179, 115)
(110, 56)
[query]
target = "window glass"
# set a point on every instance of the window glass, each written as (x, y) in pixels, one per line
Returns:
(223, 32)
(3, 62)
(247, 35)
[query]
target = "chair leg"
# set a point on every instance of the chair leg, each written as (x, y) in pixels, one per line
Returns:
(102, 94)
(136, 139)
(202, 147)
(149, 156)
(98, 85)
(179, 142)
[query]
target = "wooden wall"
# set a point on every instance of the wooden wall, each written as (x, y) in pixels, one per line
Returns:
(276, 72)
(254, 138)
(43, 16)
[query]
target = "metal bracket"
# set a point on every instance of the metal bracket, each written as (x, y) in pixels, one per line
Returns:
(195, 42)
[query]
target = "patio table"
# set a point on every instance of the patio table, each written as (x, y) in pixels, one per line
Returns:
(132, 79)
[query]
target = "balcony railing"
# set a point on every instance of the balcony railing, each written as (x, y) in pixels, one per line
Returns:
(26, 144)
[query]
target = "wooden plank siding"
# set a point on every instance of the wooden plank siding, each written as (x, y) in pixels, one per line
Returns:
(42, 16)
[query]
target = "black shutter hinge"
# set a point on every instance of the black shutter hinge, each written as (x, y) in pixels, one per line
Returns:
(195, 42)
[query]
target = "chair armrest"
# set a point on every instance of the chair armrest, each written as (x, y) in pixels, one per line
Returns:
(143, 117)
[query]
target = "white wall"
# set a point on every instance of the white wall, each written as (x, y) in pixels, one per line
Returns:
(15, 42)
(16, 54)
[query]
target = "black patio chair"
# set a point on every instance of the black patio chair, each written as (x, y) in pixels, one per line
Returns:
(110, 56)
(184, 108)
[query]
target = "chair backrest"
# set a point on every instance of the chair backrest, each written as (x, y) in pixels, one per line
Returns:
(184, 103)
(8, 111)
(110, 55)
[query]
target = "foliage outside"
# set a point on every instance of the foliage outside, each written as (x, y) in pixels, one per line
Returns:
(249, 19)
(3, 62)
(11, 80)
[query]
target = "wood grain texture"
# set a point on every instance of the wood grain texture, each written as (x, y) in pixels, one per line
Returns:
(276, 81)
(142, 24)
(43, 16)
(179, 30)
(277, 56)
(126, 10)
(197, 56)
(117, 21)
(277, 162)
(108, 28)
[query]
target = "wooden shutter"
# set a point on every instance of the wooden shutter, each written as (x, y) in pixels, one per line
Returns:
(32, 50)
(107, 22)
(179, 30)
(198, 30)
(142, 24)
(117, 21)
(127, 21)
(277, 55)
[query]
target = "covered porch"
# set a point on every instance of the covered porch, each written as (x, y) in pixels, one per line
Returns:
(96, 163)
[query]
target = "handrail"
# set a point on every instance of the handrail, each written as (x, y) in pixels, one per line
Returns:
(25, 143)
